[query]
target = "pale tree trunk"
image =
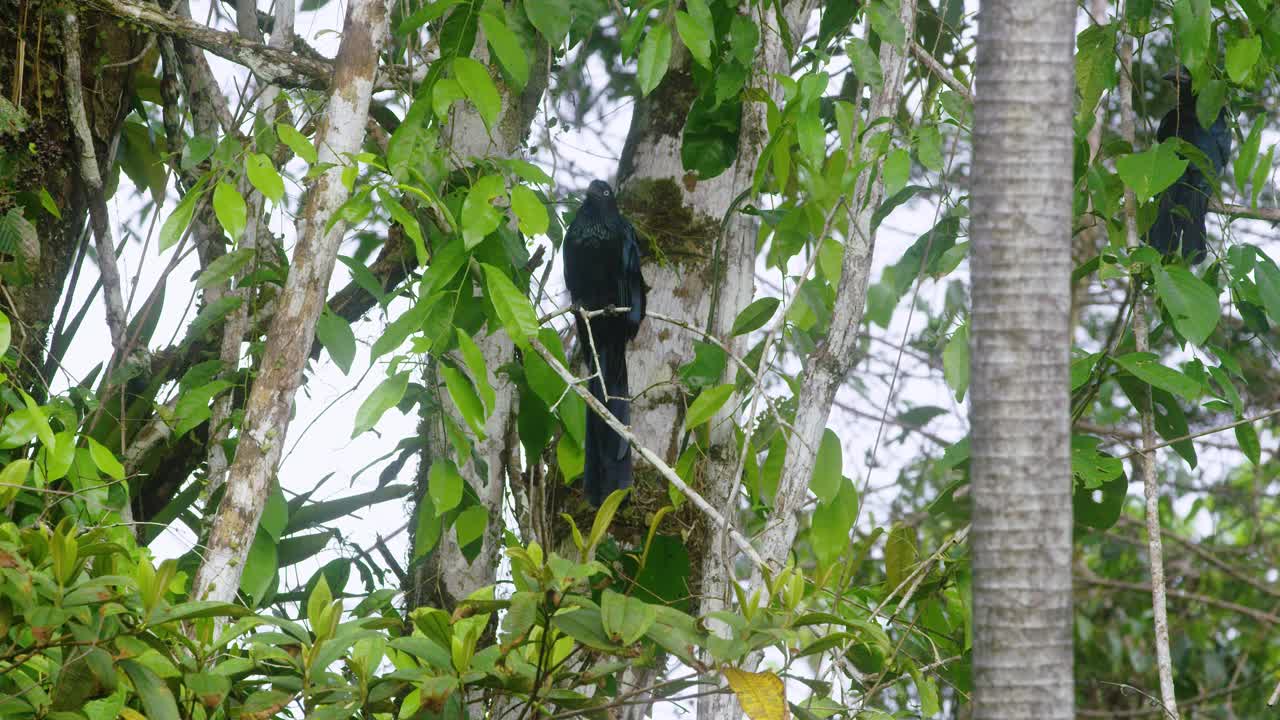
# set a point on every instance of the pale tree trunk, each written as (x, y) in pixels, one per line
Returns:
(1019, 404)
(826, 370)
(292, 330)
(445, 576)
(706, 278)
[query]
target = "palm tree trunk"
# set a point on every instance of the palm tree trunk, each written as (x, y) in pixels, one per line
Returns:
(1022, 656)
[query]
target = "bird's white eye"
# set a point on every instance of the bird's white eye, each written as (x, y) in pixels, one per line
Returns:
(608, 193)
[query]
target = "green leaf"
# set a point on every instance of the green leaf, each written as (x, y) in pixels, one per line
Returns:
(1260, 173)
(1192, 23)
(157, 700)
(866, 65)
(105, 460)
(550, 17)
(1095, 65)
(479, 216)
(1192, 304)
(625, 619)
(929, 147)
(705, 406)
(1091, 467)
(897, 170)
(829, 528)
(221, 270)
(318, 602)
(1242, 166)
(297, 142)
(709, 143)
(812, 138)
(696, 37)
(506, 46)
(444, 485)
(176, 224)
(655, 55)
(229, 207)
(1242, 55)
(828, 468)
(429, 528)
(899, 556)
(1151, 171)
(1268, 281)
(384, 397)
(955, 362)
(5, 333)
(1209, 101)
(464, 398)
(885, 22)
(471, 524)
(407, 221)
(1147, 368)
(754, 316)
(1247, 437)
(13, 477)
(512, 306)
(479, 373)
(262, 174)
(529, 210)
(336, 336)
(927, 690)
(479, 89)
(46, 202)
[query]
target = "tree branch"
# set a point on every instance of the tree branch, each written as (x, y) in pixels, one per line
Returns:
(93, 182)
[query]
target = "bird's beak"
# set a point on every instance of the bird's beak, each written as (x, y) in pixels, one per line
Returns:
(1178, 75)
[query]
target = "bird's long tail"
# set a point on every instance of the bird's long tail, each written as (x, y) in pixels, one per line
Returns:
(608, 454)
(1180, 222)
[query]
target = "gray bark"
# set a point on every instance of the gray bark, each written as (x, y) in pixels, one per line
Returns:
(1021, 265)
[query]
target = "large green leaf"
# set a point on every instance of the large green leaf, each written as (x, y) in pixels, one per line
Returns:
(1151, 171)
(229, 207)
(444, 484)
(707, 404)
(157, 700)
(512, 306)
(1192, 23)
(828, 468)
(550, 17)
(1147, 368)
(383, 398)
(1192, 304)
(655, 55)
(479, 88)
(507, 47)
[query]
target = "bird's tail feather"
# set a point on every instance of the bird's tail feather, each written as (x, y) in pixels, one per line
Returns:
(1180, 222)
(608, 454)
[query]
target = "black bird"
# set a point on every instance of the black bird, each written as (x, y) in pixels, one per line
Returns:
(1180, 222)
(602, 271)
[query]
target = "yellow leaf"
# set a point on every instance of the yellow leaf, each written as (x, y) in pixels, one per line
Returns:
(129, 714)
(761, 694)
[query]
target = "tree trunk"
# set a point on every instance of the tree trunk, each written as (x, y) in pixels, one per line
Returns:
(446, 576)
(1021, 462)
(292, 330)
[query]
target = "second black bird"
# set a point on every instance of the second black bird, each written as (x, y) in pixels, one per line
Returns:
(1180, 222)
(602, 270)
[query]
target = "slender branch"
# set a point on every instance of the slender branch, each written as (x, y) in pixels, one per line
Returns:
(1147, 462)
(1152, 446)
(272, 65)
(664, 469)
(939, 70)
(93, 182)
(1260, 615)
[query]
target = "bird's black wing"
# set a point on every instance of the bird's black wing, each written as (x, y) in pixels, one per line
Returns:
(632, 290)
